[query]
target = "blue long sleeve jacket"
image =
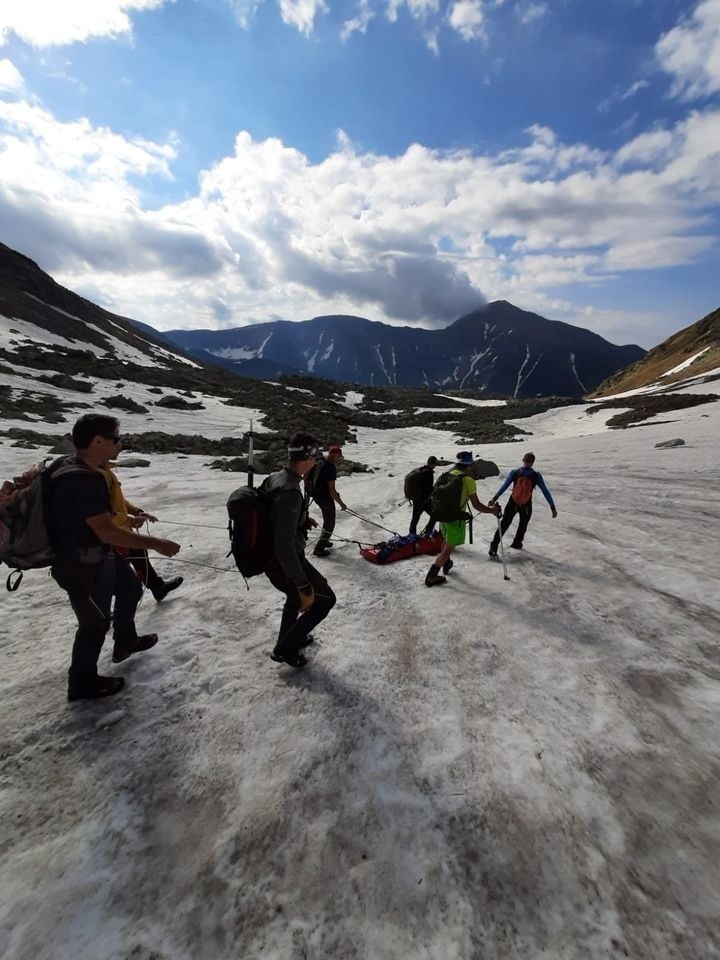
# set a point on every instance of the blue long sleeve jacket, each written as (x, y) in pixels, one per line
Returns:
(526, 472)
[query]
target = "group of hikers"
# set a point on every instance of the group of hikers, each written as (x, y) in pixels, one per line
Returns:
(99, 554)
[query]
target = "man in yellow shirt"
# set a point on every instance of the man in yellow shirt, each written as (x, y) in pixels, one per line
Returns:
(461, 488)
(127, 516)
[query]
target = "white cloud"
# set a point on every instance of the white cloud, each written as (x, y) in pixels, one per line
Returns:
(359, 23)
(418, 237)
(244, 11)
(531, 12)
(691, 53)
(11, 80)
(43, 23)
(301, 13)
(633, 89)
(468, 19)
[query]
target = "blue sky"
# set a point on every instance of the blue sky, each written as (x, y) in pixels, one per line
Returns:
(217, 162)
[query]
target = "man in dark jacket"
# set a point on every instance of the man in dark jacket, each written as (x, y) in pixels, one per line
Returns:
(308, 597)
(83, 535)
(325, 495)
(524, 479)
(420, 483)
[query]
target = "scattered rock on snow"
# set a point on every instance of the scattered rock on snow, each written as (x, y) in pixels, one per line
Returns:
(671, 443)
(133, 462)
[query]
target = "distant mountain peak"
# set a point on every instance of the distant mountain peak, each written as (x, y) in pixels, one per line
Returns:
(498, 347)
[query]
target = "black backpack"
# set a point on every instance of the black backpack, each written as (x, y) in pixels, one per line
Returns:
(250, 529)
(25, 542)
(312, 478)
(446, 497)
(413, 484)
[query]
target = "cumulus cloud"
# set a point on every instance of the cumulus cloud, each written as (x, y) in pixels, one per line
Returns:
(690, 52)
(11, 80)
(468, 19)
(44, 23)
(420, 237)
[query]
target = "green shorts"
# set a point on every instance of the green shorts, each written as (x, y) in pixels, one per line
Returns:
(454, 532)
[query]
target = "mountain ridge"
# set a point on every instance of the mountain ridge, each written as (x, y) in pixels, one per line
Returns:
(499, 348)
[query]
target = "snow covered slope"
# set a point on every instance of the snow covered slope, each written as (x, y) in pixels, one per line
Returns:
(524, 770)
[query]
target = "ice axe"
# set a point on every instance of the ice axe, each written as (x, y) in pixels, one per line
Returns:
(502, 549)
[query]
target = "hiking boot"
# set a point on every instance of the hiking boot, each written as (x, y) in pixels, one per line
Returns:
(321, 553)
(121, 651)
(96, 689)
(433, 578)
(306, 641)
(516, 546)
(293, 658)
(447, 566)
(167, 587)
(492, 553)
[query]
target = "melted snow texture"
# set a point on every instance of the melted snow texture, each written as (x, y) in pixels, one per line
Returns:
(523, 770)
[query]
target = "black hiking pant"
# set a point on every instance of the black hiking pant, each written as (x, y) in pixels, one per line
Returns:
(419, 508)
(147, 573)
(293, 628)
(327, 505)
(91, 588)
(524, 513)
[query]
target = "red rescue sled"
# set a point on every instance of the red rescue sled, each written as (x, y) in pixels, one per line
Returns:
(402, 548)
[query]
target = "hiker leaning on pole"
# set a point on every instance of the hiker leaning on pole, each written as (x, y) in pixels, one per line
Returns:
(458, 483)
(308, 597)
(86, 566)
(325, 495)
(524, 479)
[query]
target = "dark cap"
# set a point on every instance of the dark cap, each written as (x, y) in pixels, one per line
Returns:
(432, 461)
(464, 458)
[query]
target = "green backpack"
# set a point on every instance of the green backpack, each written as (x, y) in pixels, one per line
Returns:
(447, 496)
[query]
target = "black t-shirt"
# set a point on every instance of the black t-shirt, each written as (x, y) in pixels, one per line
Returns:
(328, 472)
(71, 500)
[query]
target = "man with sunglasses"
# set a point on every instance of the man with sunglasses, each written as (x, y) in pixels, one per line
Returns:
(524, 479)
(83, 535)
(308, 596)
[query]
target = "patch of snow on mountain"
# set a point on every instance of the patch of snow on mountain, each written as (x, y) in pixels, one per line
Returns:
(328, 351)
(31, 333)
(684, 364)
(575, 373)
(352, 399)
(264, 344)
(473, 362)
(125, 352)
(382, 363)
(473, 403)
(234, 353)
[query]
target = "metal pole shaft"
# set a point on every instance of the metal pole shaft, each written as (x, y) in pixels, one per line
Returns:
(502, 549)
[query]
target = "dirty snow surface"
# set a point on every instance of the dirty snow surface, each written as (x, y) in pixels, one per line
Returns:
(525, 770)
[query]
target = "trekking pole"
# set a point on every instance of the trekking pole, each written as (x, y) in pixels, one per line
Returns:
(251, 467)
(392, 510)
(502, 549)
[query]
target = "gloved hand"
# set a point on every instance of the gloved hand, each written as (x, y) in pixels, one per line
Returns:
(343, 506)
(554, 513)
(307, 596)
(496, 508)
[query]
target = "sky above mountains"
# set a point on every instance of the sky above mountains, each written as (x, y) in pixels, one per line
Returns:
(219, 162)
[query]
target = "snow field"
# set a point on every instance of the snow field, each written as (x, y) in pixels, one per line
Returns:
(488, 769)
